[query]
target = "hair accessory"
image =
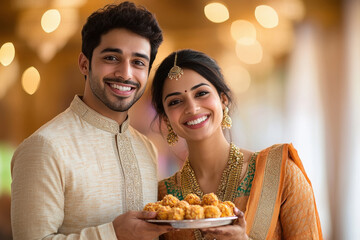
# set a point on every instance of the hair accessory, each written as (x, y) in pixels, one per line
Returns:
(176, 71)
(172, 137)
(226, 121)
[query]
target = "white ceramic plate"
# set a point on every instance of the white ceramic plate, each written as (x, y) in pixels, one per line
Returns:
(199, 223)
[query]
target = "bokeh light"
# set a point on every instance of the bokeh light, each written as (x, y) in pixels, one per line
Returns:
(243, 32)
(50, 20)
(250, 54)
(266, 16)
(30, 80)
(216, 12)
(7, 53)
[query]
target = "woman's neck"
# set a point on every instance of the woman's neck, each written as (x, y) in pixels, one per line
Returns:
(208, 158)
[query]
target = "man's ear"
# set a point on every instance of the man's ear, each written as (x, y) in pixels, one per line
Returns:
(83, 64)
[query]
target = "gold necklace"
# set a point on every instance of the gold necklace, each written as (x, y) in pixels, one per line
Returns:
(230, 177)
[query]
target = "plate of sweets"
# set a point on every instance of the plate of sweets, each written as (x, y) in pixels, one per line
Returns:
(192, 212)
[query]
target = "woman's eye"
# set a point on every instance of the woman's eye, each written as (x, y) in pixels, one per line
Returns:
(202, 93)
(173, 102)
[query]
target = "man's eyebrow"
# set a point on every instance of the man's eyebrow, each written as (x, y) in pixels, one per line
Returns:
(146, 57)
(117, 50)
(193, 88)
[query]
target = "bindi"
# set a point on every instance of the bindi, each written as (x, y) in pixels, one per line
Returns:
(185, 90)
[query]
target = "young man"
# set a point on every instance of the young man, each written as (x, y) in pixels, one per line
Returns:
(87, 173)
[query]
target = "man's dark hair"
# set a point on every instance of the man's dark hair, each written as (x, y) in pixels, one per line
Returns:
(124, 15)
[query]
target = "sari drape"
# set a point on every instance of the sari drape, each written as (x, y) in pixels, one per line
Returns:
(276, 196)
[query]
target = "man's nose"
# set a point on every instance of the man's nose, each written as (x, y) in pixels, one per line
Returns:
(124, 71)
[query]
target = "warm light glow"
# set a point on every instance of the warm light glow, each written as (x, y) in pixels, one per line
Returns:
(238, 78)
(7, 53)
(243, 32)
(50, 21)
(216, 12)
(69, 3)
(8, 77)
(30, 80)
(291, 9)
(266, 16)
(278, 41)
(44, 44)
(250, 54)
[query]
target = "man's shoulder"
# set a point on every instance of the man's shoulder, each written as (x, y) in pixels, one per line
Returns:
(59, 126)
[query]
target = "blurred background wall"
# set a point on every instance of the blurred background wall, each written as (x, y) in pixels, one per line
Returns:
(293, 66)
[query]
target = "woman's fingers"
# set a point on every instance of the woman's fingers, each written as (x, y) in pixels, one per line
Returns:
(241, 218)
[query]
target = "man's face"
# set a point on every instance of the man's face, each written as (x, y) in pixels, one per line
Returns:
(119, 70)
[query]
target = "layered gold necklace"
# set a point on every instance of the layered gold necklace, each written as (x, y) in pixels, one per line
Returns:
(230, 177)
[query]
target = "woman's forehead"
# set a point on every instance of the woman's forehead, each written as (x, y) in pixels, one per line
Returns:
(189, 79)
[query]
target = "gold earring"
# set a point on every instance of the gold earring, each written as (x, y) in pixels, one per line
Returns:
(172, 137)
(226, 121)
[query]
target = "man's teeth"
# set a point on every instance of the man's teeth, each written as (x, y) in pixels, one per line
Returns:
(197, 121)
(121, 88)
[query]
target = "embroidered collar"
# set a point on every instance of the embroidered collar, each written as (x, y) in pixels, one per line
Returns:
(96, 119)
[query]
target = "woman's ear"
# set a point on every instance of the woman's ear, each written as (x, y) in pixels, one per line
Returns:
(165, 118)
(83, 64)
(224, 100)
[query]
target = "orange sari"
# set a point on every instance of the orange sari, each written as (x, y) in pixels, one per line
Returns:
(275, 195)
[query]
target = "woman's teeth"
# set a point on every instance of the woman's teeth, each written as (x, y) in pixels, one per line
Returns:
(197, 121)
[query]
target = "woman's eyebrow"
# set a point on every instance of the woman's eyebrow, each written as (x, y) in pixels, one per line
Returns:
(199, 85)
(172, 94)
(193, 88)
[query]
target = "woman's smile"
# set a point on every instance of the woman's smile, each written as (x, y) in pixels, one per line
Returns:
(198, 122)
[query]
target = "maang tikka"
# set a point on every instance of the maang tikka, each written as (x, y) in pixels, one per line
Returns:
(175, 72)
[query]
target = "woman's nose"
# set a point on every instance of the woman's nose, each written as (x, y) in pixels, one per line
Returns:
(191, 107)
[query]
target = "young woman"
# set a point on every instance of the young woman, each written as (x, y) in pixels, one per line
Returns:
(270, 187)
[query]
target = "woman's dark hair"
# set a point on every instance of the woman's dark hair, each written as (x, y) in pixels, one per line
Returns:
(187, 59)
(125, 15)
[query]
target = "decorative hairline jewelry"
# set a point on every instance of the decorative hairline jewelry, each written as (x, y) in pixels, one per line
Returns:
(175, 72)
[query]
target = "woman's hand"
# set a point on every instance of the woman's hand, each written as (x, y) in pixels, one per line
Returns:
(236, 231)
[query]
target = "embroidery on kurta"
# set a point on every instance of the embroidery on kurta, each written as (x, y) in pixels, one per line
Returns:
(133, 183)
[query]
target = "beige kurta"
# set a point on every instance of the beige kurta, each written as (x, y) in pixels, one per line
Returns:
(77, 173)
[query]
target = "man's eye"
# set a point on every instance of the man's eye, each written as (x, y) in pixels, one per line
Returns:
(139, 63)
(110, 58)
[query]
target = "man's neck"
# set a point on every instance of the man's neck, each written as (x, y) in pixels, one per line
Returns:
(102, 109)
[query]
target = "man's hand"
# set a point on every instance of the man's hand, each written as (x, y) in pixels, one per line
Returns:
(131, 225)
(237, 231)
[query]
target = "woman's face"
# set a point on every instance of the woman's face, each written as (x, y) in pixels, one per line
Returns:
(193, 106)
